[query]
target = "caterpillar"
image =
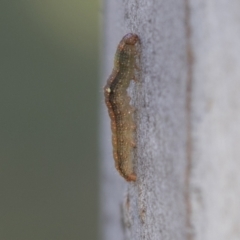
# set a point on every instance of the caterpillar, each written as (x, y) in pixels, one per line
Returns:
(118, 104)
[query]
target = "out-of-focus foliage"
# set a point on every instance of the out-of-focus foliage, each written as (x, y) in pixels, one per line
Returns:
(48, 101)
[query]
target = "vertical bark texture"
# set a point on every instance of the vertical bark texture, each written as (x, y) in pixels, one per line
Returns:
(187, 105)
(154, 206)
(215, 178)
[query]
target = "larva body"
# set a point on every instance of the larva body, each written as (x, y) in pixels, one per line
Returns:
(119, 108)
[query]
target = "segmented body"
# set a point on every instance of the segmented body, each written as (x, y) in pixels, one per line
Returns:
(119, 108)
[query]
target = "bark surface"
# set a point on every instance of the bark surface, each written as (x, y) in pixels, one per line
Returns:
(187, 103)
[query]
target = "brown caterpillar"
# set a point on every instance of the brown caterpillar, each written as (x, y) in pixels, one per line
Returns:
(119, 108)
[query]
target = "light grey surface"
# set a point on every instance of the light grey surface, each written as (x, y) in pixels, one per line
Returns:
(187, 104)
(216, 120)
(153, 207)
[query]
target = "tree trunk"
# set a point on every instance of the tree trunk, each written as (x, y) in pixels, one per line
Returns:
(187, 102)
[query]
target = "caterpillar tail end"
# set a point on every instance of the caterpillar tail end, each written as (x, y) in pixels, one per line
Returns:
(131, 178)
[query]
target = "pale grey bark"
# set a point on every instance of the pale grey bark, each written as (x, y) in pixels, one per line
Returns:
(215, 178)
(187, 104)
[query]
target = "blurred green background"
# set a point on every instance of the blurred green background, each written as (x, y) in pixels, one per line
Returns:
(48, 101)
